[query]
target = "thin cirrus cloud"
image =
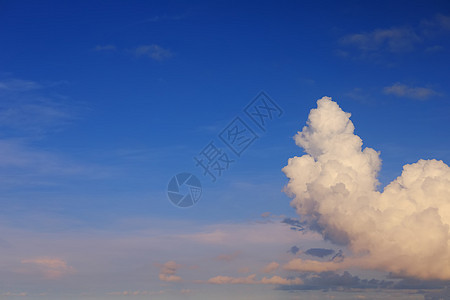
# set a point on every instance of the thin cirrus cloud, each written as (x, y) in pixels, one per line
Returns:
(18, 85)
(136, 293)
(228, 257)
(334, 189)
(398, 39)
(392, 40)
(403, 90)
(153, 51)
(50, 268)
(108, 47)
(251, 279)
(34, 107)
(31, 110)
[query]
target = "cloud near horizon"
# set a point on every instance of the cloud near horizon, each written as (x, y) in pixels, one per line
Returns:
(403, 230)
(277, 280)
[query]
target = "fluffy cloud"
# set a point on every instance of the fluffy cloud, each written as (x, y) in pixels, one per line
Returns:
(168, 272)
(404, 229)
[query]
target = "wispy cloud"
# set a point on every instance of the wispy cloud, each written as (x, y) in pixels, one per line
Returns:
(51, 268)
(34, 115)
(22, 164)
(32, 107)
(105, 48)
(438, 25)
(228, 257)
(153, 51)
(12, 294)
(18, 85)
(251, 279)
(163, 17)
(403, 90)
(392, 40)
(137, 293)
(397, 39)
(31, 111)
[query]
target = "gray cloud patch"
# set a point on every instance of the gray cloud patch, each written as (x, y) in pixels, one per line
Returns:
(331, 281)
(295, 224)
(319, 252)
(294, 250)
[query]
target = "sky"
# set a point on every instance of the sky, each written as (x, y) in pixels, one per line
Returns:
(217, 149)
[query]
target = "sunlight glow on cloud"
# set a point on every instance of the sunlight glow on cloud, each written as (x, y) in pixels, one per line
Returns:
(168, 271)
(51, 268)
(403, 230)
(251, 280)
(271, 267)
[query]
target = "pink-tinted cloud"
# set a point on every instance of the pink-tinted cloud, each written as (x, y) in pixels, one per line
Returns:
(271, 267)
(251, 280)
(228, 257)
(51, 268)
(168, 272)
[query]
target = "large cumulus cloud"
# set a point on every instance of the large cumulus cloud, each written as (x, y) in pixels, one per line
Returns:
(404, 229)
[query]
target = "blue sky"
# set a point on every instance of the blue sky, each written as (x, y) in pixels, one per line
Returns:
(101, 103)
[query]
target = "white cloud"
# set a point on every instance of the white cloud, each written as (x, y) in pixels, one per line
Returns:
(404, 229)
(153, 51)
(393, 40)
(402, 90)
(396, 39)
(18, 85)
